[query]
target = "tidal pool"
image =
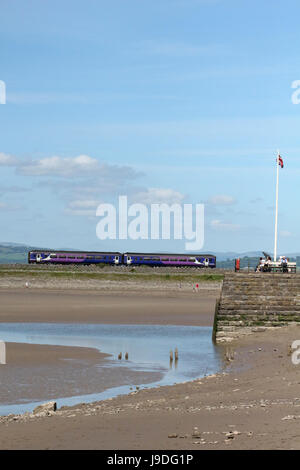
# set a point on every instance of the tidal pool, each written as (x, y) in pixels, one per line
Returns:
(148, 347)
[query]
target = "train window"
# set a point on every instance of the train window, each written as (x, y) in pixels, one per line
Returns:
(173, 259)
(156, 259)
(183, 259)
(192, 260)
(52, 256)
(62, 257)
(165, 259)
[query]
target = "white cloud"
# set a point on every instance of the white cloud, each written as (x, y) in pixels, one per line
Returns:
(83, 166)
(82, 181)
(60, 166)
(87, 207)
(83, 212)
(218, 225)
(83, 204)
(82, 208)
(7, 160)
(221, 200)
(158, 196)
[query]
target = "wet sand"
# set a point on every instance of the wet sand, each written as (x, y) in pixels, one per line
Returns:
(41, 372)
(78, 306)
(254, 405)
(36, 372)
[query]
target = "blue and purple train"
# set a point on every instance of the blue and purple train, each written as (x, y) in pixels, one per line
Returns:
(116, 258)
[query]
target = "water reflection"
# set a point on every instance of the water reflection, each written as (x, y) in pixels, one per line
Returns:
(148, 347)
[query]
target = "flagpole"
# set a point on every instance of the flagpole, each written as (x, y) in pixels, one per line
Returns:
(276, 209)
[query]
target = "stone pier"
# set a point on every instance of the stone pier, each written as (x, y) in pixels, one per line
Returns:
(252, 302)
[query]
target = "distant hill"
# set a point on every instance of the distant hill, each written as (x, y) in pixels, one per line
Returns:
(227, 255)
(13, 253)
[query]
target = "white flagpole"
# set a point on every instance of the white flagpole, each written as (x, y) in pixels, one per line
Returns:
(276, 210)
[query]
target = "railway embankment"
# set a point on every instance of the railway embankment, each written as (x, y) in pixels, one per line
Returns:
(110, 278)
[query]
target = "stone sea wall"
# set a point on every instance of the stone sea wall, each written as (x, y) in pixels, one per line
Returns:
(252, 302)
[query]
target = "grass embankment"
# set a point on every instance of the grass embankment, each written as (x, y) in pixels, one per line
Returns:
(124, 276)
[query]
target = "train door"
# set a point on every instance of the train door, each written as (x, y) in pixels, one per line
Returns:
(206, 262)
(129, 259)
(117, 259)
(38, 257)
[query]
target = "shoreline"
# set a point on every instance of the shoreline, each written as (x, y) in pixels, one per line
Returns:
(253, 404)
(95, 307)
(38, 373)
(75, 371)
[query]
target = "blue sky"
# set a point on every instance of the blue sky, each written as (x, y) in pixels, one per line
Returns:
(166, 101)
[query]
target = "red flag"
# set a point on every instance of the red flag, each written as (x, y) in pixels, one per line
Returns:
(280, 161)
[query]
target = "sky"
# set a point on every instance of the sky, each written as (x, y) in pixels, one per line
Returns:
(168, 101)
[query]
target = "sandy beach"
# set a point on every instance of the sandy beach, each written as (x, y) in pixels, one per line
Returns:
(254, 403)
(171, 307)
(36, 372)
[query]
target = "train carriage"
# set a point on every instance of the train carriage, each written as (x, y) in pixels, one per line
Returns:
(73, 257)
(169, 259)
(116, 258)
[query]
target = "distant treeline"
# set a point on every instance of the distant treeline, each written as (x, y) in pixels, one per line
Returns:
(247, 262)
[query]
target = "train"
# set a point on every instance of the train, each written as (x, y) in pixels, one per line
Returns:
(124, 259)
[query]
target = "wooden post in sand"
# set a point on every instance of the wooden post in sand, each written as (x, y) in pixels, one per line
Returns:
(176, 354)
(2, 353)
